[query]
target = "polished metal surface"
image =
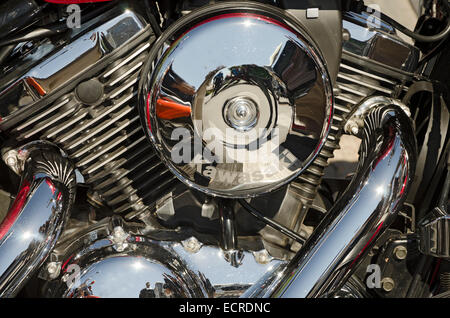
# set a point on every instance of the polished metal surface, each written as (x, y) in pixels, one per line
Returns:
(64, 65)
(148, 268)
(434, 236)
(367, 207)
(371, 39)
(356, 120)
(106, 272)
(377, 101)
(35, 220)
(236, 116)
(104, 140)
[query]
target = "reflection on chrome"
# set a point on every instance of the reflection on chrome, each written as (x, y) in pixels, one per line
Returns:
(68, 62)
(369, 40)
(152, 269)
(268, 85)
(368, 206)
(34, 222)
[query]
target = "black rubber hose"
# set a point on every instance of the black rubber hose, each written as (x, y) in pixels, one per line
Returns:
(272, 223)
(5, 52)
(150, 10)
(416, 36)
(16, 14)
(34, 34)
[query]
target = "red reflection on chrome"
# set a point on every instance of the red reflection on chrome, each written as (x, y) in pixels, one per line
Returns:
(148, 112)
(63, 266)
(15, 210)
(388, 148)
(406, 177)
(50, 185)
(367, 244)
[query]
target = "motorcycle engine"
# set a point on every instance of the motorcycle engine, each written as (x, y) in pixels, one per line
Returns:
(233, 101)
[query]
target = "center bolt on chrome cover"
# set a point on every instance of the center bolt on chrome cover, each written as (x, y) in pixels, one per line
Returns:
(241, 113)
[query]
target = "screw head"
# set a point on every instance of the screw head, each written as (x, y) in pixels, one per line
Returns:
(53, 269)
(119, 238)
(351, 127)
(262, 257)
(191, 245)
(11, 161)
(387, 284)
(241, 113)
(400, 252)
(119, 234)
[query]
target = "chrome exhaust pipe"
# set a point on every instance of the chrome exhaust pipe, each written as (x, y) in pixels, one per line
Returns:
(35, 220)
(368, 206)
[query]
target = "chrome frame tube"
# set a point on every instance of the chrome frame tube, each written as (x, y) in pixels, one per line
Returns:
(35, 220)
(367, 207)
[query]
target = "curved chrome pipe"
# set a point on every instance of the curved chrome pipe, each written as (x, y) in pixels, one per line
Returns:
(368, 206)
(35, 220)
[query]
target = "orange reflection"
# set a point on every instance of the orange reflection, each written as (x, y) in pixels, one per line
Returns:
(166, 109)
(32, 82)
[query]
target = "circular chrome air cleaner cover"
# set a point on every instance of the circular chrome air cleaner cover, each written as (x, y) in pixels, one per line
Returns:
(237, 104)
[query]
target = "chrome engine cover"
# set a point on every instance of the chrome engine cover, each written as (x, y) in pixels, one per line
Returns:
(139, 264)
(252, 111)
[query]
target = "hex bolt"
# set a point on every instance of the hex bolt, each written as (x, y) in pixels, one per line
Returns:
(387, 284)
(400, 252)
(11, 161)
(119, 238)
(119, 234)
(262, 257)
(191, 245)
(351, 127)
(53, 269)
